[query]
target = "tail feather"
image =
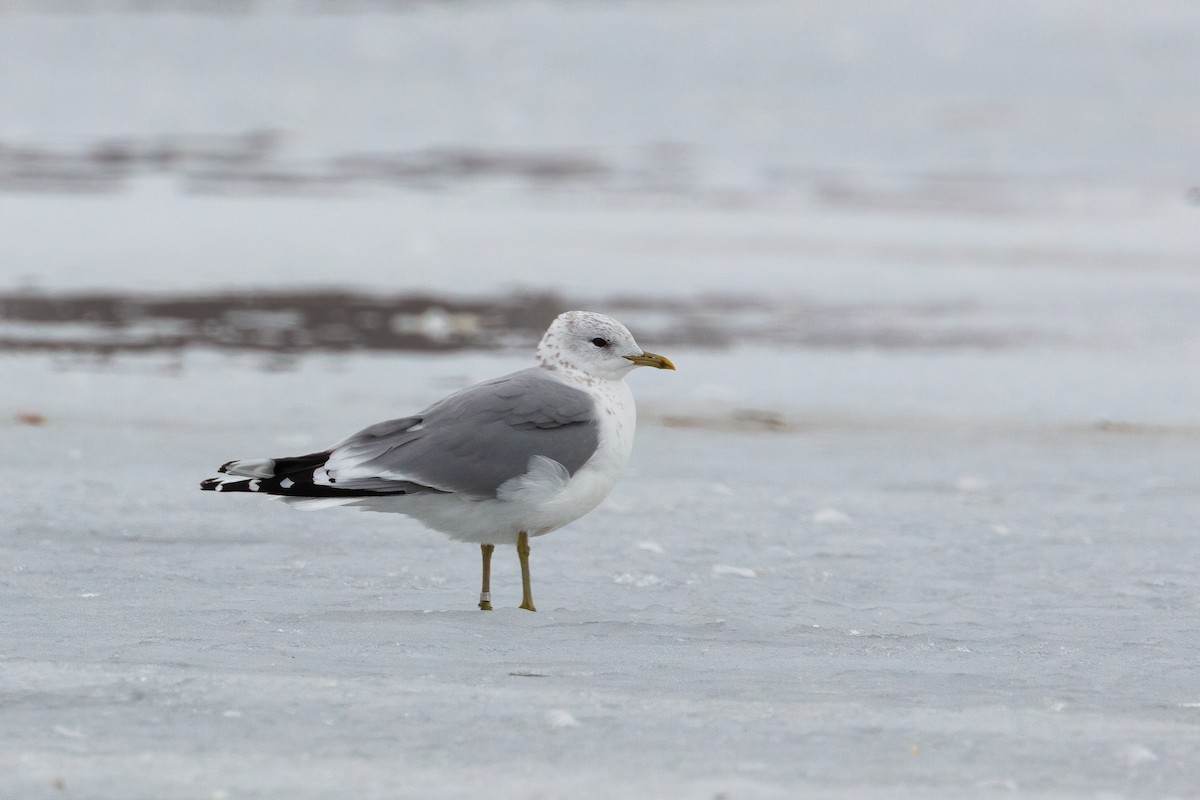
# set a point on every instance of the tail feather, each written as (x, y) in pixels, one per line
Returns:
(222, 484)
(289, 477)
(295, 477)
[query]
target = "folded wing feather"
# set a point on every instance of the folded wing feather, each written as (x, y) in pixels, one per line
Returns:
(475, 441)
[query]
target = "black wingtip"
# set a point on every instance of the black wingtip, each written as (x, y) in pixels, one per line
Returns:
(224, 468)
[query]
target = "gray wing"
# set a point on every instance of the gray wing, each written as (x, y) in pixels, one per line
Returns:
(474, 440)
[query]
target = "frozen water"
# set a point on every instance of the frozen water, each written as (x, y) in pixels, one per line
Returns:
(877, 149)
(1025, 89)
(933, 534)
(160, 641)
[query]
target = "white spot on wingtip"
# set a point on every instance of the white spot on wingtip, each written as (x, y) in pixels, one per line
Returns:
(255, 484)
(287, 483)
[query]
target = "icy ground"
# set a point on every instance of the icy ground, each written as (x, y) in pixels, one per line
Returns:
(942, 545)
(889, 599)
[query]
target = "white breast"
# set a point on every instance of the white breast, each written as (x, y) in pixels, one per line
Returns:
(616, 417)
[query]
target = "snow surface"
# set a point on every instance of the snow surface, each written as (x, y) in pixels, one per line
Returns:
(839, 570)
(888, 602)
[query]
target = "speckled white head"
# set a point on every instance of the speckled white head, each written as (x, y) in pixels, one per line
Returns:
(595, 345)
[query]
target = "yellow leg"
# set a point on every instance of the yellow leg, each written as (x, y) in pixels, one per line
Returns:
(485, 593)
(526, 586)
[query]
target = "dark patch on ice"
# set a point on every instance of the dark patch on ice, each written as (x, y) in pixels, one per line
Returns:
(1122, 427)
(287, 324)
(740, 420)
(255, 162)
(260, 163)
(292, 322)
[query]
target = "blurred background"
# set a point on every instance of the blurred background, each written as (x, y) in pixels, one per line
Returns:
(917, 510)
(299, 174)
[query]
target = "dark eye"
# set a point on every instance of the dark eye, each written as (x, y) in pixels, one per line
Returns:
(600, 342)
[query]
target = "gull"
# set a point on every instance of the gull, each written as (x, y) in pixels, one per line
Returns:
(495, 463)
